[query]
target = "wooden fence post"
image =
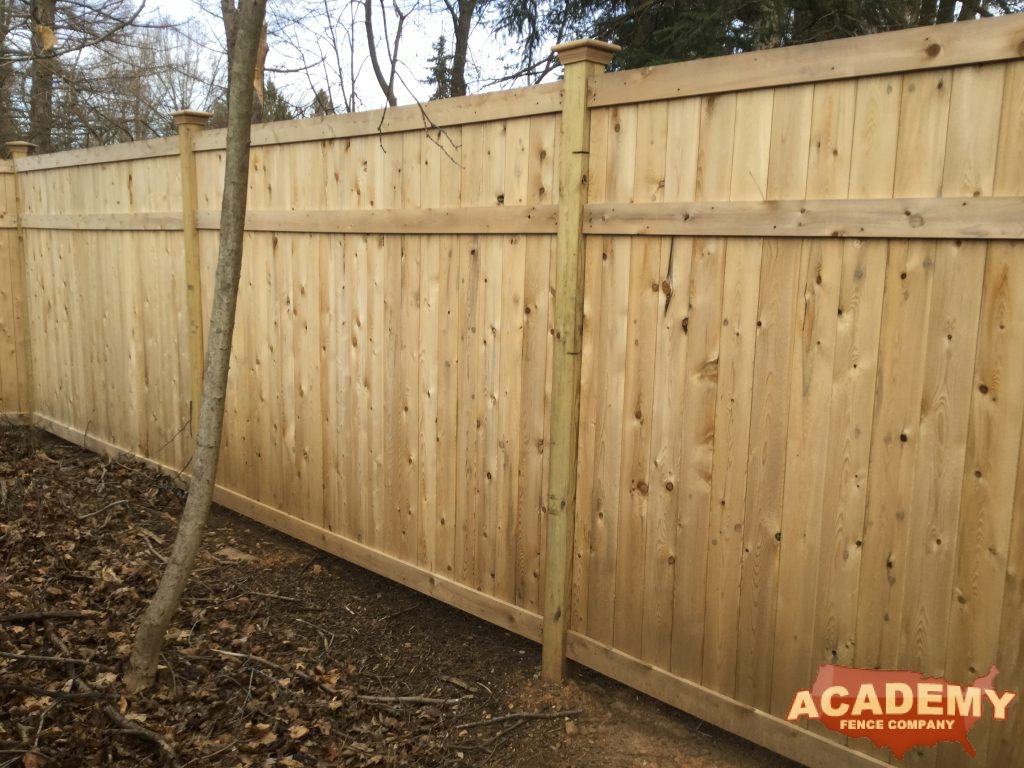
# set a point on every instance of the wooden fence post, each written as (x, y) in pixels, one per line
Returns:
(22, 338)
(582, 60)
(190, 123)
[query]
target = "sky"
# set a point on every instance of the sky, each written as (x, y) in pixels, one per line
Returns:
(286, 69)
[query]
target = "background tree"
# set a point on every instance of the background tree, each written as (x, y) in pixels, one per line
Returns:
(42, 42)
(440, 75)
(660, 31)
(388, 71)
(323, 104)
(247, 20)
(275, 105)
(462, 13)
(320, 40)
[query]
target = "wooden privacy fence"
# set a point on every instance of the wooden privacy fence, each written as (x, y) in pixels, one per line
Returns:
(754, 325)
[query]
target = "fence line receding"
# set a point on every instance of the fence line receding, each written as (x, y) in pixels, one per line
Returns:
(799, 397)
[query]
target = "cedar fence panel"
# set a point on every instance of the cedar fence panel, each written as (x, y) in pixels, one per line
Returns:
(800, 408)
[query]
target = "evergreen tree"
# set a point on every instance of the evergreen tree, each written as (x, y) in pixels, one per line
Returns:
(323, 104)
(440, 75)
(660, 31)
(275, 105)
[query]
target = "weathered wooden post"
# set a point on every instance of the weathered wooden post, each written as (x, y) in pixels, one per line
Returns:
(22, 341)
(189, 123)
(582, 60)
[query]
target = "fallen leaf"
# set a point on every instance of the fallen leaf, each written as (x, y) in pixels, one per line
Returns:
(104, 679)
(297, 731)
(235, 555)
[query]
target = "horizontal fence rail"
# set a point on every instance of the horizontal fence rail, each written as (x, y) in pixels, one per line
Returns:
(703, 375)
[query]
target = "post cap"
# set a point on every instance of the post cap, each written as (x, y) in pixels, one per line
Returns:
(596, 51)
(20, 148)
(190, 117)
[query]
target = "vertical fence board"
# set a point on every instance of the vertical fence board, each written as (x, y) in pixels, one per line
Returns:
(862, 286)
(924, 113)
(951, 339)
(741, 282)
(669, 402)
(636, 414)
(828, 176)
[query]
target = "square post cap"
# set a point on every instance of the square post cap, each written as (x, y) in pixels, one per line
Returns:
(20, 148)
(596, 51)
(191, 117)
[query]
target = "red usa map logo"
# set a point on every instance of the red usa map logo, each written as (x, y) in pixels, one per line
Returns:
(899, 710)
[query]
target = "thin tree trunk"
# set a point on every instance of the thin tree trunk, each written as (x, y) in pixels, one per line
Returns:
(163, 606)
(44, 14)
(945, 12)
(386, 85)
(8, 128)
(968, 10)
(463, 23)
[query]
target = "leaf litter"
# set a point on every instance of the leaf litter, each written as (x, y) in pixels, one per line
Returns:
(279, 656)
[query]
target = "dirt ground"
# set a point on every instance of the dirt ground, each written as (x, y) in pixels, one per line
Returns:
(281, 656)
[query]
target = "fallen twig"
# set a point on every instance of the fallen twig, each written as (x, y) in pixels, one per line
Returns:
(32, 616)
(126, 725)
(133, 728)
(39, 728)
(322, 632)
(60, 645)
(50, 659)
(220, 751)
(273, 596)
(521, 716)
(71, 696)
(19, 755)
(396, 614)
(459, 683)
(412, 700)
(152, 549)
(329, 689)
(493, 741)
(111, 505)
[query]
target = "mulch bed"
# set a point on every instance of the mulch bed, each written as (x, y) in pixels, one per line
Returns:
(280, 655)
